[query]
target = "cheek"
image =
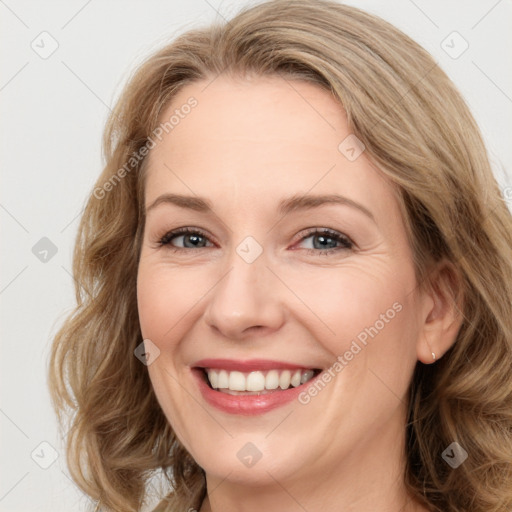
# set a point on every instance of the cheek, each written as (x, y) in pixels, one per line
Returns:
(364, 315)
(165, 303)
(375, 331)
(166, 298)
(342, 304)
(151, 298)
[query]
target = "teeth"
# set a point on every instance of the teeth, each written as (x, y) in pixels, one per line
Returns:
(295, 381)
(284, 379)
(236, 381)
(214, 379)
(223, 380)
(258, 380)
(307, 375)
(272, 380)
(255, 382)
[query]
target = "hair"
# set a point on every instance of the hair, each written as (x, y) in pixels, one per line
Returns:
(419, 133)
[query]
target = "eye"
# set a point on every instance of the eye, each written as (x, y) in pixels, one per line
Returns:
(317, 241)
(185, 238)
(326, 241)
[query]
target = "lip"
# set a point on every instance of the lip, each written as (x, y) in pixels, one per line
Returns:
(246, 405)
(250, 365)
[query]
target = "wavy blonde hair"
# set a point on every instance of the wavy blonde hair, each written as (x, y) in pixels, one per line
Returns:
(417, 130)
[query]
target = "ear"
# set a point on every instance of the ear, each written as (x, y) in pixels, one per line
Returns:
(441, 312)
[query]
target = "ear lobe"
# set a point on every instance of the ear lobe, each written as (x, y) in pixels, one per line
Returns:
(442, 314)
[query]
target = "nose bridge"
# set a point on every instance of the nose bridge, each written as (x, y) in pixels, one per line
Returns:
(244, 298)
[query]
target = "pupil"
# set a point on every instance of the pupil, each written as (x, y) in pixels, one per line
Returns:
(195, 240)
(324, 241)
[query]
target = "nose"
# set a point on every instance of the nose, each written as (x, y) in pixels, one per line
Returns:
(246, 301)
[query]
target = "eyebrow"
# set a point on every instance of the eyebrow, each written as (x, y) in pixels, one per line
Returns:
(287, 205)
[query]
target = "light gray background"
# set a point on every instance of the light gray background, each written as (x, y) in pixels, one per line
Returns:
(52, 113)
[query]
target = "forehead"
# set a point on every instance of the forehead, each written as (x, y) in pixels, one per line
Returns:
(257, 140)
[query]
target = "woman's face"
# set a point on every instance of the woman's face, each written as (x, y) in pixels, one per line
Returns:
(260, 293)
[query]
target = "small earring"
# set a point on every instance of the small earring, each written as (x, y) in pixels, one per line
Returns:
(433, 356)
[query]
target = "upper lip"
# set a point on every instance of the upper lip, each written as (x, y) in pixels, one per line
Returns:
(249, 365)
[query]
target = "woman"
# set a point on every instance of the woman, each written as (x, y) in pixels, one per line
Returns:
(289, 273)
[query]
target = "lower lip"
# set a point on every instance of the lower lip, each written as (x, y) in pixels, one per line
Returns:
(247, 405)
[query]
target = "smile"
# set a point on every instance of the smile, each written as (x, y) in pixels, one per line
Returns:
(251, 387)
(257, 382)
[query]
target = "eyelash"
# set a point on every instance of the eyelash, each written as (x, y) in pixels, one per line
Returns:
(347, 244)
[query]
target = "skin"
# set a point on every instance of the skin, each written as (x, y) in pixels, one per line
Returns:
(245, 146)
